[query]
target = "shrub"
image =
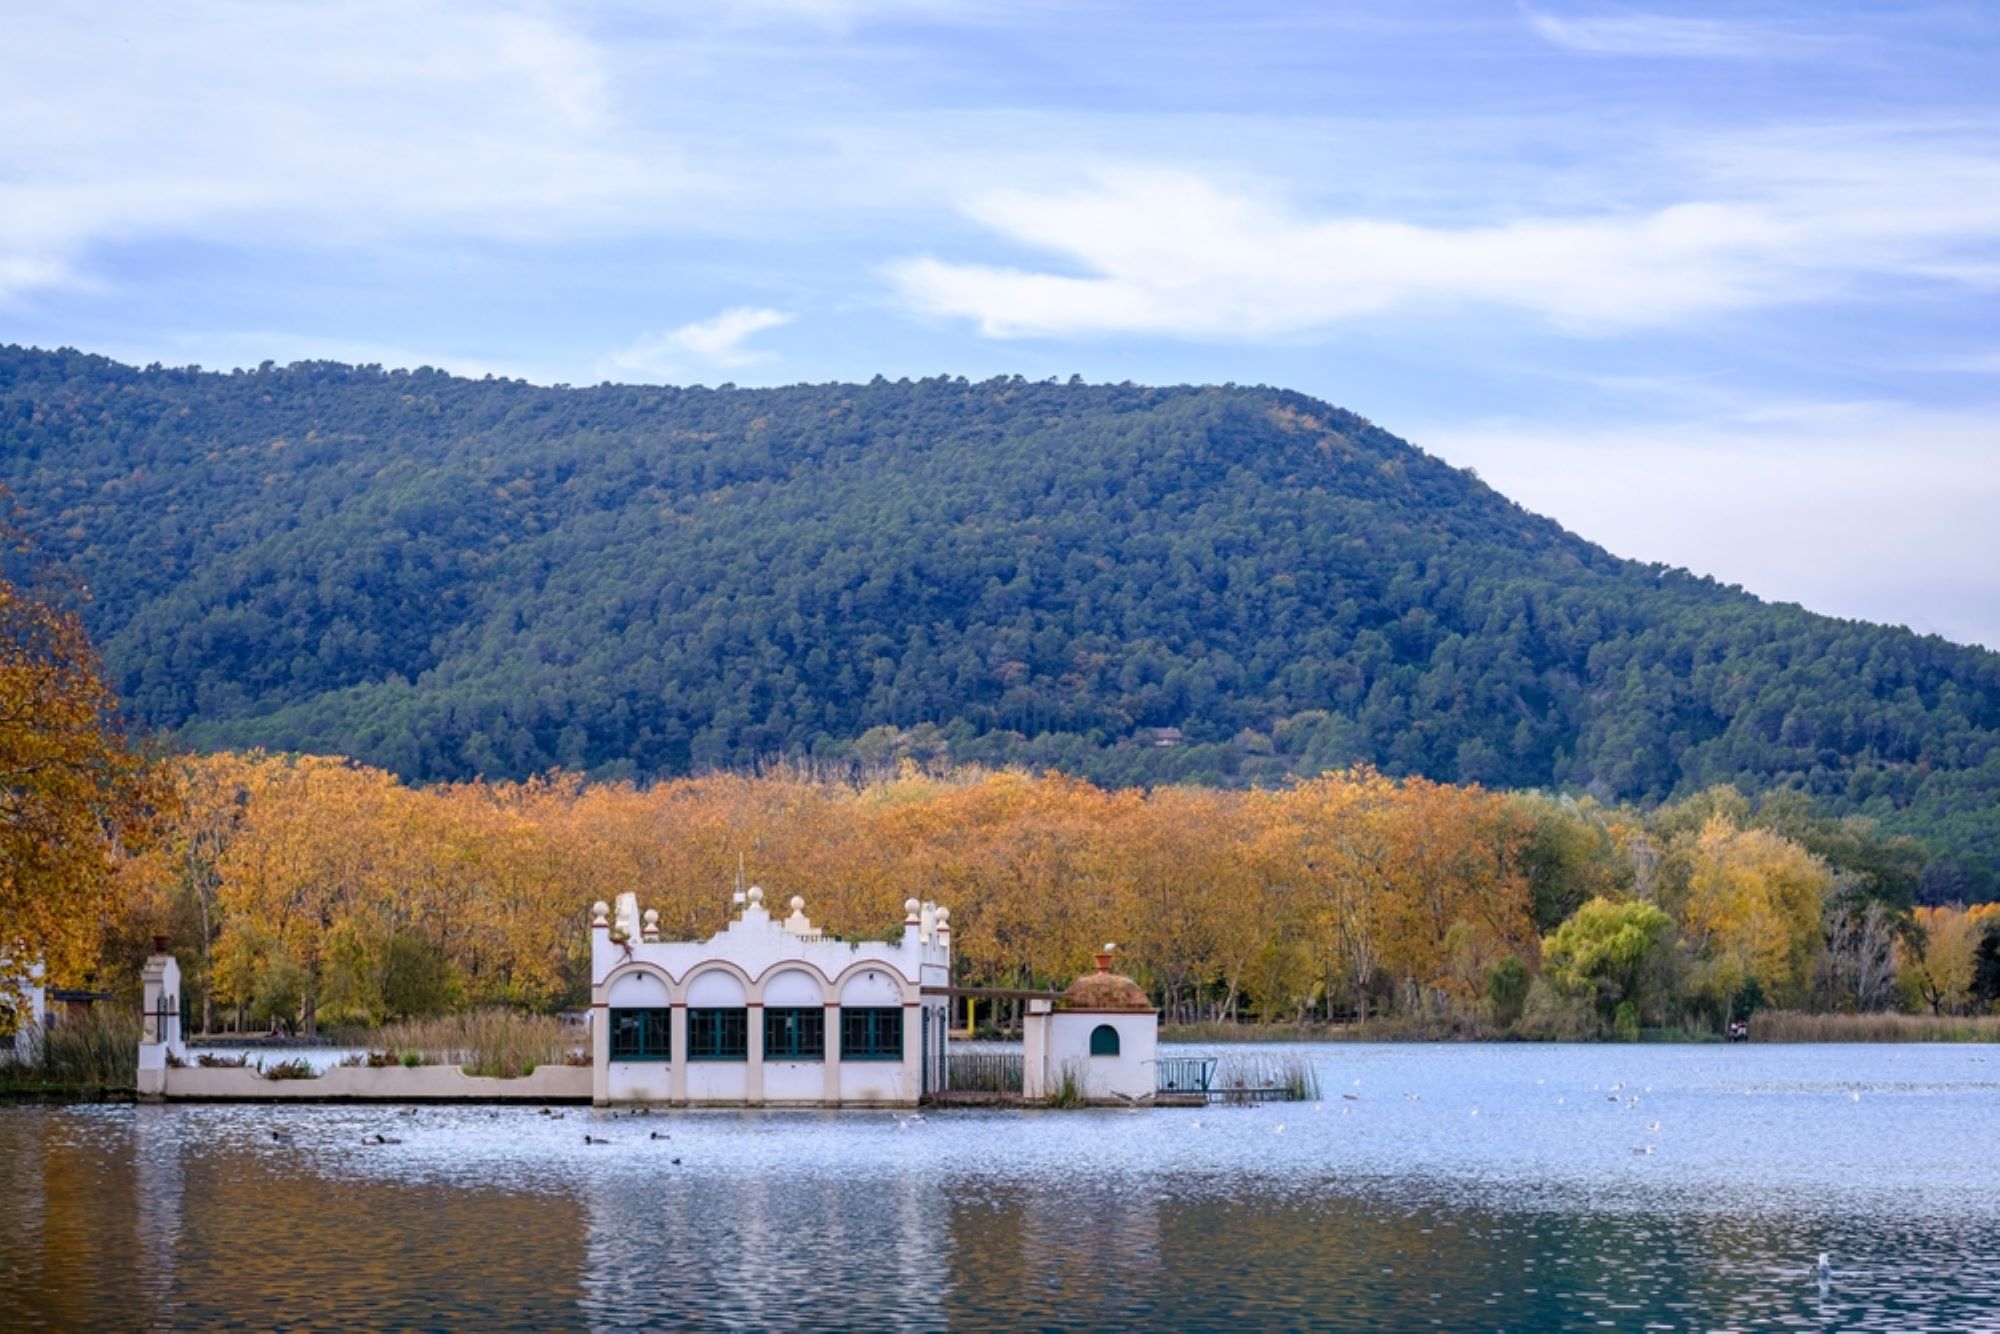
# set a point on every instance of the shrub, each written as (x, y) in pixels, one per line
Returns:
(296, 1068)
(1550, 1016)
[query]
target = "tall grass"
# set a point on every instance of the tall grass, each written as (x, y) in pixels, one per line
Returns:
(1383, 1028)
(1069, 1086)
(1790, 1026)
(504, 1044)
(89, 1053)
(1242, 1077)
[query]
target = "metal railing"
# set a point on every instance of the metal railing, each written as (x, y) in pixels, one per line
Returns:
(984, 1072)
(1185, 1074)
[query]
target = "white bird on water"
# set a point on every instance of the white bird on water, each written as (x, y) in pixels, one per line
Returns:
(1825, 1269)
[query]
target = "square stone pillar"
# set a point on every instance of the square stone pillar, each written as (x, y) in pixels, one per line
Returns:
(753, 1073)
(600, 1048)
(677, 1069)
(833, 1053)
(913, 1051)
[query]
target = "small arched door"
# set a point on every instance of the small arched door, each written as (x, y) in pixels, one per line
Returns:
(1104, 1040)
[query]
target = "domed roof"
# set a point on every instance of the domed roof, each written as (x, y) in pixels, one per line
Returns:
(1104, 990)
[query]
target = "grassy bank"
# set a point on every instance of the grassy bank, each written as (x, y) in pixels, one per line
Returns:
(1789, 1026)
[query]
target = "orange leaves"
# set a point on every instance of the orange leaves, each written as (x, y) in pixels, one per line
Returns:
(324, 869)
(70, 790)
(1414, 879)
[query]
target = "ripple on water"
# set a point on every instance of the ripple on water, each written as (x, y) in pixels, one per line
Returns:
(1384, 1211)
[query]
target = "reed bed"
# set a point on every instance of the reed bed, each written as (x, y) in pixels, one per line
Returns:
(1791, 1026)
(1383, 1028)
(1243, 1077)
(503, 1044)
(90, 1053)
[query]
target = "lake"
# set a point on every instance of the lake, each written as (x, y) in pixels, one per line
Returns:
(1450, 1186)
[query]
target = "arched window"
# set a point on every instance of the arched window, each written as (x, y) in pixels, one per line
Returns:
(1104, 1040)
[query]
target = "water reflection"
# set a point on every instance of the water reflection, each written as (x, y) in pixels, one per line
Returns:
(1389, 1207)
(791, 1250)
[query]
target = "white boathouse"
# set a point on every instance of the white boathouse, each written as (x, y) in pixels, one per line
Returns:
(768, 1012)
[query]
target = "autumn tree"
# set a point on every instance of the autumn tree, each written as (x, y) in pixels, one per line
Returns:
(1613, 954)
(72, 791)
(1752, 914)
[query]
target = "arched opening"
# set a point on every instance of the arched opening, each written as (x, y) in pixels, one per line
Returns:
(1104, 1040)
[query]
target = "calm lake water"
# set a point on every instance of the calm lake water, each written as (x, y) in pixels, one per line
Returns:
(1454, 1187)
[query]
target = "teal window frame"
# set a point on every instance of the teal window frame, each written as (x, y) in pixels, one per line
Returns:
(642, 1033)
(1104, 1040)
(795, 1033)
(719, 1033)
(871, 1033)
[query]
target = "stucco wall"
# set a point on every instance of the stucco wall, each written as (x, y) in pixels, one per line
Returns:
(1132, 1073)
(795, 1081)
(718, 1081)
(876, 1081)
(641, 1081)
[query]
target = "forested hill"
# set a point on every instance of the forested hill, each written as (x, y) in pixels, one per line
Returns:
(452, 577)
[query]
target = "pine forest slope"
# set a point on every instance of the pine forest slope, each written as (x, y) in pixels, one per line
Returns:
(451, 577)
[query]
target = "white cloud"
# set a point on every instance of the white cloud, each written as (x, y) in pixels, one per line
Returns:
(1632, 34)
(1785, 218)
(278, 124)
(1881, 511)
(716, 343)
(832, 14)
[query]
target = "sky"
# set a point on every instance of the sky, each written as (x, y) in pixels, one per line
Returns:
(1712, 285)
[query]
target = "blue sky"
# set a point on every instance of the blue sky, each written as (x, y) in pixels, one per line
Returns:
(1712, 285)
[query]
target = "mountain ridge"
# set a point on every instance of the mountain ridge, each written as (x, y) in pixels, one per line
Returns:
(452, 577)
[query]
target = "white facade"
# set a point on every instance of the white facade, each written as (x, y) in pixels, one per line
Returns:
(847, 1023)
(1102, 1037)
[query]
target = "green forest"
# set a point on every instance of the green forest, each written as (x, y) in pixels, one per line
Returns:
(451, 578)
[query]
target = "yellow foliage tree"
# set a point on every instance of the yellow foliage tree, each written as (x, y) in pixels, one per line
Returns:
(72, 793)
(1752, 911)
